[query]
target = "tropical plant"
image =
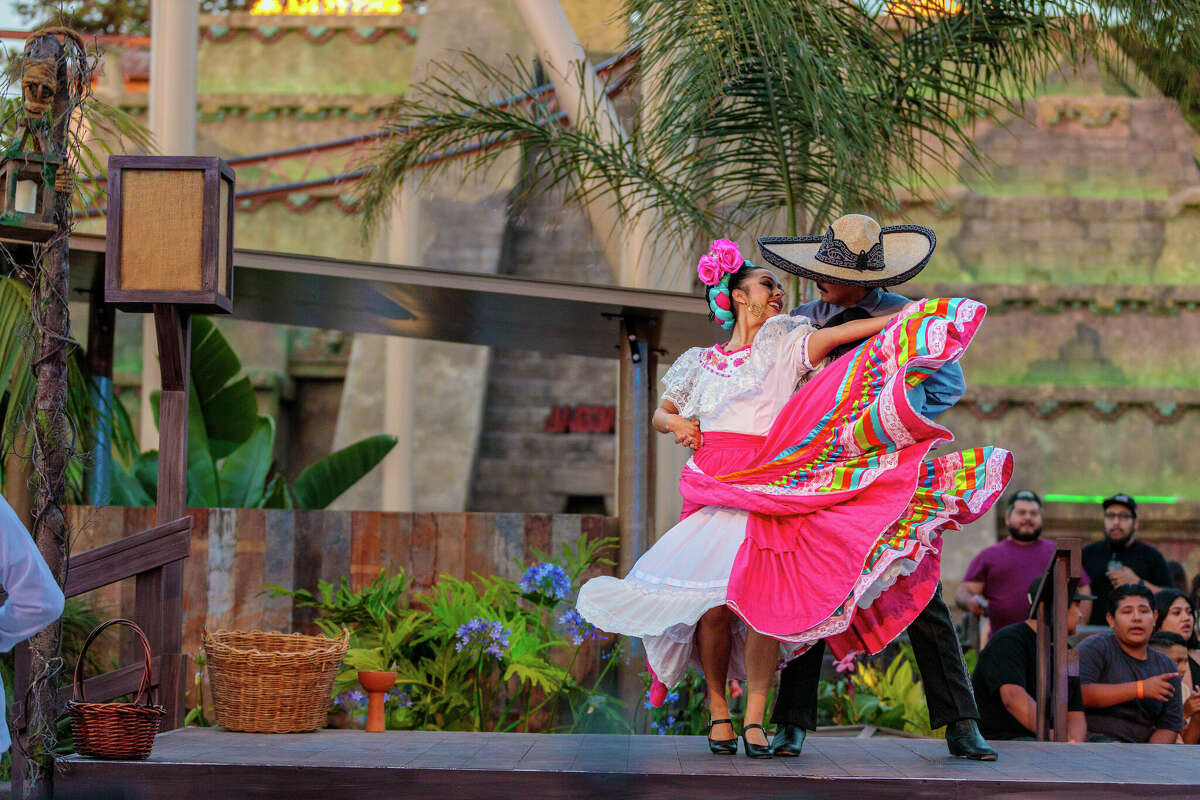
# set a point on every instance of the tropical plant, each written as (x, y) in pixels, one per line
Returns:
(231, 446)
(487, 654)
(887, 694)
(17, 385)
(760, 109)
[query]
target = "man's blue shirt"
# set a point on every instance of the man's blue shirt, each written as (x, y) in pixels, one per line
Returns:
(931, 396)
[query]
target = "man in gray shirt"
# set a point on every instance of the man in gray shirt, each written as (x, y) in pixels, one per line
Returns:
(1130, 692)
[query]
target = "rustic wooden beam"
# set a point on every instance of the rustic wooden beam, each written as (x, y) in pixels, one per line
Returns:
(635, 437)
(158, 602)
(128, 556)
(1049, 609)
(110, 685)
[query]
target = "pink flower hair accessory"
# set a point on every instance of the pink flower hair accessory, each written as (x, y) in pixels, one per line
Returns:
(723, 258)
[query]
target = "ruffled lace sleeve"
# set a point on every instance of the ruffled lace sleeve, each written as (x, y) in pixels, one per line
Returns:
(782, 344)
(680, 381)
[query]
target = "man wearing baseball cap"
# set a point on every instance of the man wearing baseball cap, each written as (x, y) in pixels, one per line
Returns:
(1119, 559)
(1005, 679)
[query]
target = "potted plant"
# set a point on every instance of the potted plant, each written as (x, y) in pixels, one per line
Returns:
(381, 626)
(376, 659)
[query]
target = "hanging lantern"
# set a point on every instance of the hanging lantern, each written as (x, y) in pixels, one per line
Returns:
(27, 192)
(170, 233)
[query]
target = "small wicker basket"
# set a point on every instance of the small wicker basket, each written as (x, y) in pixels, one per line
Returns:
(115, 730)
(272, 682)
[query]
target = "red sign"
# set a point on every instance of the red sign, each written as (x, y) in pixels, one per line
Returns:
(582, 419)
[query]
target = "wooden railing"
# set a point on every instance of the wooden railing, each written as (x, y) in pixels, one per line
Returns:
(1054, 659)
(145, 556)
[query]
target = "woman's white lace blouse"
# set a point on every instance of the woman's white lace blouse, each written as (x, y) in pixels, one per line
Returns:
(742, 391)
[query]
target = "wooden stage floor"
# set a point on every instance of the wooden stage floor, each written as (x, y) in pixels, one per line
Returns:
(198, 762)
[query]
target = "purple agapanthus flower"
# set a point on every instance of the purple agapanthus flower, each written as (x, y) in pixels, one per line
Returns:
(397, 699)
(352, 700)
(580, 629)
(482, 636)
(546, 579)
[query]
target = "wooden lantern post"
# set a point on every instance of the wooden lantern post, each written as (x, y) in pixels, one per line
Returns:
(169, 251)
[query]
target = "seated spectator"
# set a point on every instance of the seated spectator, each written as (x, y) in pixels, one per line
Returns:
(1174, 612)
(1173, 647)
(998, 577)
(34, 599)
(1005, 679)
(1179, 578)
(1130, 692)
(1119, 559)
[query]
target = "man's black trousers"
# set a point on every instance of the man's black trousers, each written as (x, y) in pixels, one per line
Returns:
(939, 659)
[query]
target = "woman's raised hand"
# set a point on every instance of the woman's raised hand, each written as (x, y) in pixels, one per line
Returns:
(687, 431)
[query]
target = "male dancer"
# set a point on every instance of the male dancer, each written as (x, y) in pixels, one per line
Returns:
(849, 268)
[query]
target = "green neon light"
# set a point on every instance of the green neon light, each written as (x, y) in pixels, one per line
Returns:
(1097, 498)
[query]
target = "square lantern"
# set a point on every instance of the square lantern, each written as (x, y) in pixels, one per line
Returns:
(170, 233)
(27, 194)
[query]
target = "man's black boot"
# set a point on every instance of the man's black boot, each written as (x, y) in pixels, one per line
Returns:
(788, 741)
(965, 741)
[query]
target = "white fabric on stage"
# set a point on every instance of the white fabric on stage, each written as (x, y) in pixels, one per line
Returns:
(683, 575)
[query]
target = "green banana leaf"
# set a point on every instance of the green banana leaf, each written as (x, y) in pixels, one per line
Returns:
(203, 488)
(230, 406)
(243, 473)
(325, 480)
(277, 495)
(126, 490)
(145, 471)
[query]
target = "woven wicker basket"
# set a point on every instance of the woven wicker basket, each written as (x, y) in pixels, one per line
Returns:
(272, 682)
(115, 730)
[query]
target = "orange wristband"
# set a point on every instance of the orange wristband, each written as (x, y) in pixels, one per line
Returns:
(1141, 692)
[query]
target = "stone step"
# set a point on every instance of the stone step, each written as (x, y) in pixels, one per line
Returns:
(562, 448)
(523, 478)
(553, 391)
(525, 364)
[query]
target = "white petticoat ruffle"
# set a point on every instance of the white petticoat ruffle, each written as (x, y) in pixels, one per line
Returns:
(683, 575)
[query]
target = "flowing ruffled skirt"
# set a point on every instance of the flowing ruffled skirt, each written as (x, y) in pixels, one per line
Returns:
(826, 528)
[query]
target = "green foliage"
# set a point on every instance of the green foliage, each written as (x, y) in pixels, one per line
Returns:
(761, 109)
(470, 655)
(890, 696)
(231, 447)
(17, 387)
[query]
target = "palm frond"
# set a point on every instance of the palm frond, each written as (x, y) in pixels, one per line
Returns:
(765, 106)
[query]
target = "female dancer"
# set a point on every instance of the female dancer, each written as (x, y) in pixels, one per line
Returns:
(803, 512)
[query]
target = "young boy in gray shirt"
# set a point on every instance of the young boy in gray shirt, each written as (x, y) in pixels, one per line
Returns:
(1130, 692)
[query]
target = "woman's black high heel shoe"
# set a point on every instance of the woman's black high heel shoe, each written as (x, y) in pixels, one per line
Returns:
(721, 747)
(755, 750)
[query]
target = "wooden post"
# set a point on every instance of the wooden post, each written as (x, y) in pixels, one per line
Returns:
(101, 325)
(635, 468)
(635, 445)
(1054, 659)
(159, 593)
(52, 442)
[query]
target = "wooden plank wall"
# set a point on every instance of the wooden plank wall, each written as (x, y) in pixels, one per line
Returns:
(235, 551)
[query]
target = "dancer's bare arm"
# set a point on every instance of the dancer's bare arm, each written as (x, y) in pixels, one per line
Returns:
(667, 420)
(821, 343)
